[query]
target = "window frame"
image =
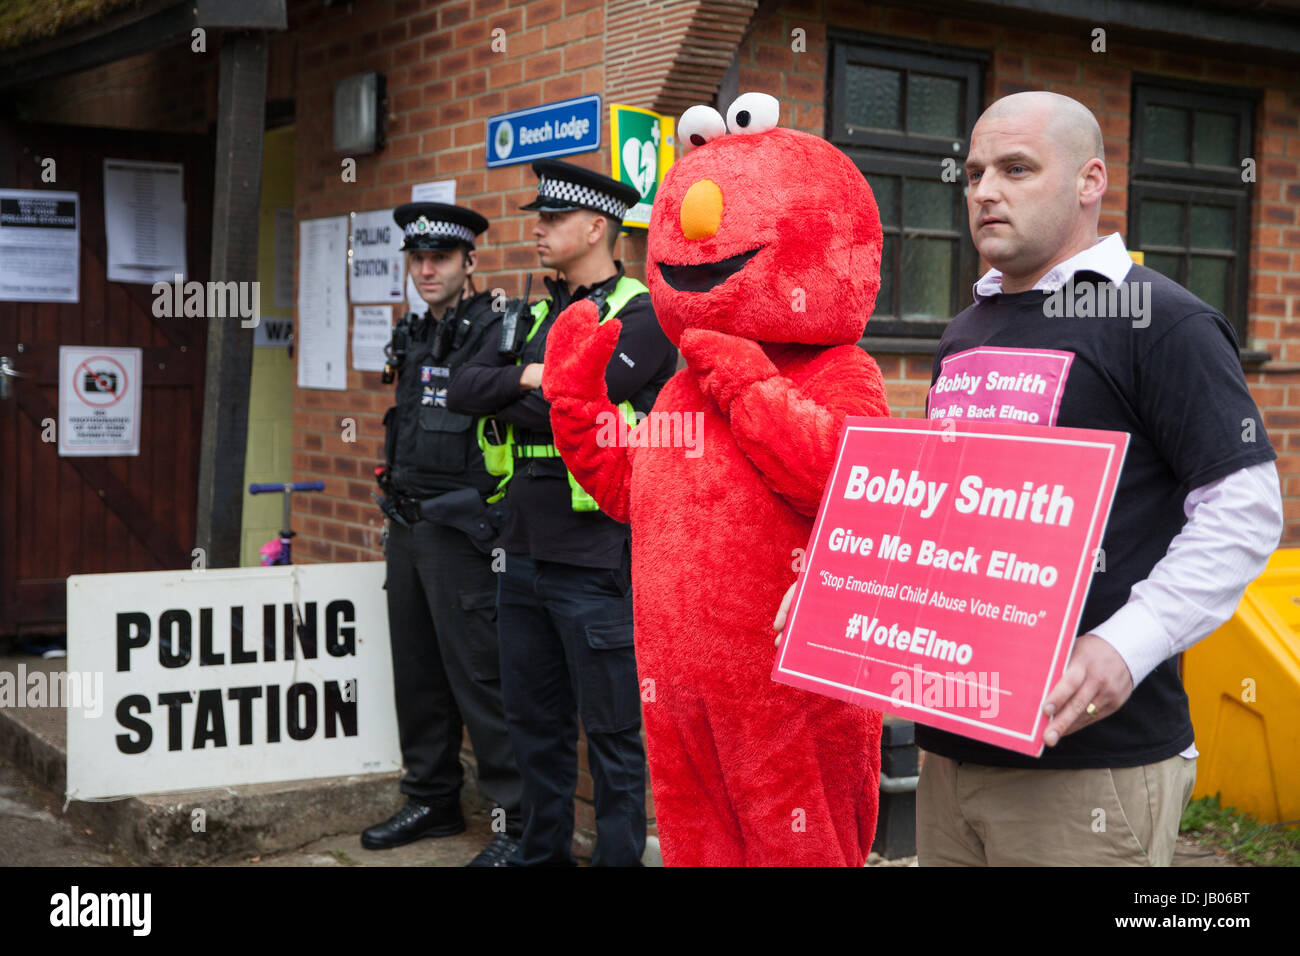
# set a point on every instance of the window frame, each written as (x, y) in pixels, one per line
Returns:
(1156, 91)
(1184, 182)
(905, 154)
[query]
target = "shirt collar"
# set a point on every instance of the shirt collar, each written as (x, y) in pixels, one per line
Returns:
(1107, 257)
(559, 289)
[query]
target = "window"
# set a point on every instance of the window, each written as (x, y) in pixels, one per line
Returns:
(900, 112)
(1189, 210)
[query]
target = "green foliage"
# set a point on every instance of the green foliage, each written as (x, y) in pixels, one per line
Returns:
(1245, 838)
(27, 21)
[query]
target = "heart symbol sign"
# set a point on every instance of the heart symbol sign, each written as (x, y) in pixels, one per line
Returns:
(640, 159)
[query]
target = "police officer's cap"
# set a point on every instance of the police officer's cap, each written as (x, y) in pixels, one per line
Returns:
(564, 186)
(437, 225)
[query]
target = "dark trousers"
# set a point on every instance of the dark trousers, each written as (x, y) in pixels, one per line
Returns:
(446, 670)
(566, 651)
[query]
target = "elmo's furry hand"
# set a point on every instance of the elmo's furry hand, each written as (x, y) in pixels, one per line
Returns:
(578, 348)
(725, 364)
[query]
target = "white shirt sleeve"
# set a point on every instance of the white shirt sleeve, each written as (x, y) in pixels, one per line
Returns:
(1233, 526)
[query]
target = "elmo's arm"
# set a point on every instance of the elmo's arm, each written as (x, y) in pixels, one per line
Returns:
(582, 416)
(788, 432)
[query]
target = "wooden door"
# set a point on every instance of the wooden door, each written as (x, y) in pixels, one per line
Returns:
(74, 515)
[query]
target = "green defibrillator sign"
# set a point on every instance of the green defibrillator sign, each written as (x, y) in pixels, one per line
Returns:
(644, 147)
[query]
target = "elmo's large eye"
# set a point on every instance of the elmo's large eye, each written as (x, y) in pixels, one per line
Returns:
(699, 125)
(753, 113)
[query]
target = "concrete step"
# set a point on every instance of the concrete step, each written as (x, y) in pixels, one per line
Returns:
(243, 821)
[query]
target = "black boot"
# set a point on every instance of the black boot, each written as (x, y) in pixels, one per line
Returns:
(414, 822)
(496, 853)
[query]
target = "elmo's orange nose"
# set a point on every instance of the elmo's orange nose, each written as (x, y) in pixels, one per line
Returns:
(702, 210)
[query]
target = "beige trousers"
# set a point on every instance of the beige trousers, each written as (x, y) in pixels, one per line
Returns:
(972, 815)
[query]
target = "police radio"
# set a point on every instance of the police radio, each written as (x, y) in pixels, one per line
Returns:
(513, 331)
(395, 351)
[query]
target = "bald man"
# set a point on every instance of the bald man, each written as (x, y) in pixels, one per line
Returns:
(1197, 511)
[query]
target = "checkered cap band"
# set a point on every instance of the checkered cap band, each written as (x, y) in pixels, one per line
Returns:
(582, 195)
(453, 230)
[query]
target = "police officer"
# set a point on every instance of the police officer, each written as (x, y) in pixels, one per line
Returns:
(441, 588)
(565, 596)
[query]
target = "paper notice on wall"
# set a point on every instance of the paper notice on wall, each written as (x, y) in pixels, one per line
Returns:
(322, 338)
(144, 220)
(375, 259)
(283, 232)
(99, 401)
(40, 245)
(440, 191)
(372, 328)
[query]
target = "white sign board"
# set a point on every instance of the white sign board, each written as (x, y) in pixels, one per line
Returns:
(144, 220)
(322, 341)
(40, 246)
(372, 329)
(233, 676)
(442, 190)
(99, 401)
(375, 260)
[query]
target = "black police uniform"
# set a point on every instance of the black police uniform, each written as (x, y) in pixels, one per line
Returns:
(565, 596)
(441, 588)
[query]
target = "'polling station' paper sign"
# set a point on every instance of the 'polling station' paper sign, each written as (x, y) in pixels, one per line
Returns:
(947, 570)
(233, 676)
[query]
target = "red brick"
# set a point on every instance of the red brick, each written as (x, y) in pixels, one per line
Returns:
(1283, 215)
(1008, 65)
(450, 14)
(1045, 68)
(423, 26)
(542, 66)
(542, 11)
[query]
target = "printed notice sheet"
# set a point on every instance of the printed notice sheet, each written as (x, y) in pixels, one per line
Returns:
(322, 339)
(144, 219)
(40, 245)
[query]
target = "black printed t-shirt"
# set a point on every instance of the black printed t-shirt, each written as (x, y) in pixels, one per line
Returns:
(1170, 377)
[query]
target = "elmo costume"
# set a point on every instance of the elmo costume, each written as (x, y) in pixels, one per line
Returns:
(763, 266)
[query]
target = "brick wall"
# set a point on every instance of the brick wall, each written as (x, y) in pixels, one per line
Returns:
(444, 79)
(174, 90)
(1026, 60)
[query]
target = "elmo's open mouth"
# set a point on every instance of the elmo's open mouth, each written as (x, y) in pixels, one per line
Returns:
(704, 277)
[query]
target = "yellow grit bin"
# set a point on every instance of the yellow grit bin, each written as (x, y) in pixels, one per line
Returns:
(1243, 683)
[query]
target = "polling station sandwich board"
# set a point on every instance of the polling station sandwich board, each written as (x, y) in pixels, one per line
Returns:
(947, 570)
(214, 678)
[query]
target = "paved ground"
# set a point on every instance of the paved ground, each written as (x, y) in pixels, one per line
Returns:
(35, 834)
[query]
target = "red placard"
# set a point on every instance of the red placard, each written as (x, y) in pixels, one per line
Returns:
(947, 570)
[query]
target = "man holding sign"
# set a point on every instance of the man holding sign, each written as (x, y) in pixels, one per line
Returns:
(1196, 513)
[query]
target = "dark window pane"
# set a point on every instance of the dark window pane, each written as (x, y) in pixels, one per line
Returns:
(872, 97)
(1216, 140)
(1207, 279)
(929, 204)
(1166, 265)
(933, 105)
(885, 189)
(1211, 227)
(927, 278)
(888, 259)
(1162, 223)
(1164, 133)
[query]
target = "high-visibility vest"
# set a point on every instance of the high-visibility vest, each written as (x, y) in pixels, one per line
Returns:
(500, 451)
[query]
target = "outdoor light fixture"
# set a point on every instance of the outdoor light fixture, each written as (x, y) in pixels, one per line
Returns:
(359, 114)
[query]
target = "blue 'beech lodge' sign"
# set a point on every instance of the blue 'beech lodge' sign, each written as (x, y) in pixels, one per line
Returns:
(554, 129)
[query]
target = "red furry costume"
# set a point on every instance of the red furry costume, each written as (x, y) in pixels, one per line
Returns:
(744, 770)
